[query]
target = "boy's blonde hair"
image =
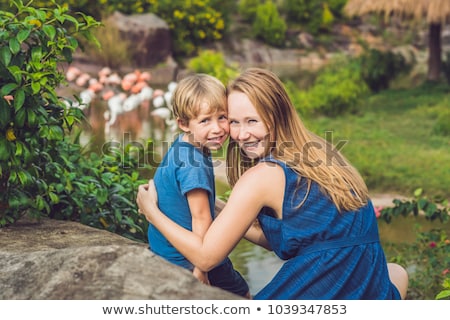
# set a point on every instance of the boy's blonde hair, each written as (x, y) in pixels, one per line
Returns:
(198, 90)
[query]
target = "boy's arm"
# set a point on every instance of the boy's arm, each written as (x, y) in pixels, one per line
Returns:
(218, 206)
(201, 220)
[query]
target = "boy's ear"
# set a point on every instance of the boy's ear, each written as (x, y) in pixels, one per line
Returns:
(183, 125)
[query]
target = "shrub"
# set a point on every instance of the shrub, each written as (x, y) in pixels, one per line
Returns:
(42, 173)
(96, 190)
(247, 9)
(428, 258)
(432, 209)
(268, 24)
(33, 119)
(192, 23)
(313, 15)
(337, 89)
(213, 63)
(379, 68)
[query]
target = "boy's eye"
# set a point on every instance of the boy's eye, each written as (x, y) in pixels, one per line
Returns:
(233, 122)
(223, 117)
(252, 121)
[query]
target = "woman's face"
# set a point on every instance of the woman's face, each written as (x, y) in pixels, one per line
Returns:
(246, 126)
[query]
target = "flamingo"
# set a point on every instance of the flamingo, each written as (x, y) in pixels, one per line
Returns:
(72, 73)
(115, 107)
(132, 102)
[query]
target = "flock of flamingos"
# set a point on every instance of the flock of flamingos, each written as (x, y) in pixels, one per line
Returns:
(130, 100)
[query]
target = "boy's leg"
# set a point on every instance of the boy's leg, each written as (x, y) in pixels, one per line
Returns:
(224, 276)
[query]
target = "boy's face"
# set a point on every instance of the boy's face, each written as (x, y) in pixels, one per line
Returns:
(207, 130)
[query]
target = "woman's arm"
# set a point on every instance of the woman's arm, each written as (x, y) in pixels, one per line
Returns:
(254, 234)
(260, 186)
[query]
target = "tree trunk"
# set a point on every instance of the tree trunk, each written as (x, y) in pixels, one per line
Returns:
(434, 58)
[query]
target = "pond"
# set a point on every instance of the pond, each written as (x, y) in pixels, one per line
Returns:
(256, 264)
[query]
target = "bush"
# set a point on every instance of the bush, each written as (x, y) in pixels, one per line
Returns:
(313, 15)
(268, 24)
(247, 9)
(213, 63)
(379, 68)
(33, 119)
(192, 23)
(337, 89)
(42, 173)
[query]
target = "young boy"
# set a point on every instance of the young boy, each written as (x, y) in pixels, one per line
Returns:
(185, 178)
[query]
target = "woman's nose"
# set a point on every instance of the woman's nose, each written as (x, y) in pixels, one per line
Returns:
(243, 133)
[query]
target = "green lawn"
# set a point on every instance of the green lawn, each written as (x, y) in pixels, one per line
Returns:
(393, 142)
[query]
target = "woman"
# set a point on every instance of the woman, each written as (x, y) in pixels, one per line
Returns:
(311, 204)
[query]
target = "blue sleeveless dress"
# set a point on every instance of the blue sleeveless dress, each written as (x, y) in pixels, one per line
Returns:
(329, 255)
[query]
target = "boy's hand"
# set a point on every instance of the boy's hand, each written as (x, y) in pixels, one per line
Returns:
(200, 275)
(147, 200)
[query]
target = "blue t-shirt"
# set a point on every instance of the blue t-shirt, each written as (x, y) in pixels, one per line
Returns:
(184, 168)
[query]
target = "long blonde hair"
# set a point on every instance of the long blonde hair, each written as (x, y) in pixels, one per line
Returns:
(311, 156)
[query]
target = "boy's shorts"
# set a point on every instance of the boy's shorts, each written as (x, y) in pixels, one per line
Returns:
(227, 278)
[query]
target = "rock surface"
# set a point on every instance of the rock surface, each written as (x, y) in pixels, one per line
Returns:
(149, 34)
(54, 259)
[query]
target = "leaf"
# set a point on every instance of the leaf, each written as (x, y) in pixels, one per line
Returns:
(443, 294)
(4, 149)
(36, 87)
(23, 177)
(19, 99)
(31, 118)
(5, 55)
(6, 89)
(36, 53)
(14, 45)
(5, 114)
(55, 133)
(23, 35)
(418, 192)
(20, 118)
(50, 31)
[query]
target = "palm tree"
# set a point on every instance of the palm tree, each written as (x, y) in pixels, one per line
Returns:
(435, 12)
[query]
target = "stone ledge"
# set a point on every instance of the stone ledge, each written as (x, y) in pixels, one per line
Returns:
(54, 260)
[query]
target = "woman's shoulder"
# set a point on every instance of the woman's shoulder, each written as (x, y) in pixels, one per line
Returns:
(264, 174)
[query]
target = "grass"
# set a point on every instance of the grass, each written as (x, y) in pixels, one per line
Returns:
(393, 142)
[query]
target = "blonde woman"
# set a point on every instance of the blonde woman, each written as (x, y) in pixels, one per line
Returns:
(311, 204)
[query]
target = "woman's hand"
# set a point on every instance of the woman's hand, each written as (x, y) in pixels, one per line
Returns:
(147, 200)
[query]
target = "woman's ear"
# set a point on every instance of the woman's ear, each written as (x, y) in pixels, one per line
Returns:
(183, 125)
